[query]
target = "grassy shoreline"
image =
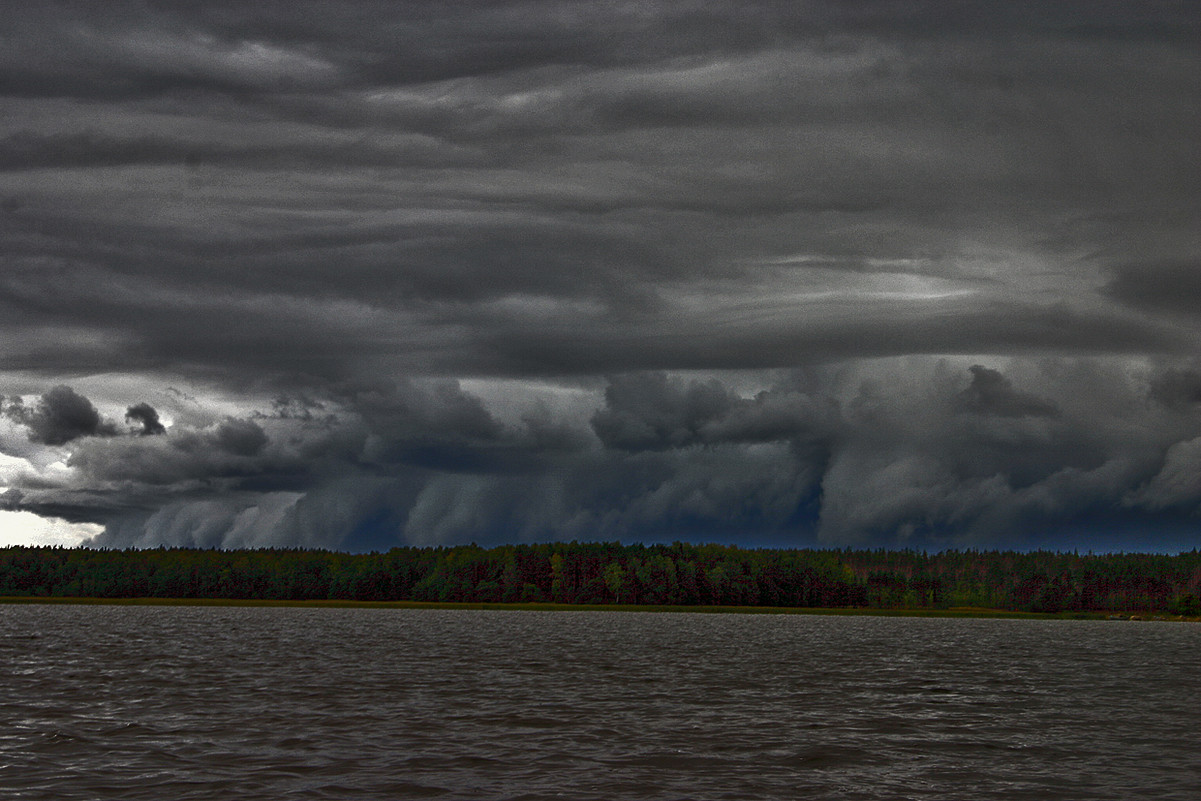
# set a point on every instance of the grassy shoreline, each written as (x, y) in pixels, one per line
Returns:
(954, 612)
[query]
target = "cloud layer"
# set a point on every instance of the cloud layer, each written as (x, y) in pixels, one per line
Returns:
(359, 274)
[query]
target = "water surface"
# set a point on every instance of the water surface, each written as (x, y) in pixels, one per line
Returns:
(158, 703)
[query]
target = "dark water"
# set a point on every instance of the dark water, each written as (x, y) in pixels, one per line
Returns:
(171, 703)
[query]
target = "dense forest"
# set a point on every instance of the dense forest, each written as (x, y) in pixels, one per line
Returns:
(608, 573)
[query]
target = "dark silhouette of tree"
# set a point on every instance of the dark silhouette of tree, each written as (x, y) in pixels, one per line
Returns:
(600, 573)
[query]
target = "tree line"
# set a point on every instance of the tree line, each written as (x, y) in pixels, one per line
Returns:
(613, 573)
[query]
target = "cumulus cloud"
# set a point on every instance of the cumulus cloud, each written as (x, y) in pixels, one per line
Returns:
(650, 411)
(144, 415)
(848, 455)
(991, 393)
(241, 437)
(61, 415)
(646, 412)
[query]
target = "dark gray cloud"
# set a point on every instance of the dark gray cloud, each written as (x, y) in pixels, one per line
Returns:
(10, 499)
(903, 453)
(1160, 286)
(502, 197)
(144, 415)
(992, 393)
(241, 437)
(431, 272)
(650, 411)
(646, 412)
(1177, 388)
(60, 416)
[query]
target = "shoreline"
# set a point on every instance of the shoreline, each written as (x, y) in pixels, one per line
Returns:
(952, 612)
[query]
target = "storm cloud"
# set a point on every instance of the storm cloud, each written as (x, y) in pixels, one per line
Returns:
(61, 415)
(363, 274)
(144, 415)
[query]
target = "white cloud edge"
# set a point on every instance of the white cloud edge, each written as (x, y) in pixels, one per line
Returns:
(27, 528)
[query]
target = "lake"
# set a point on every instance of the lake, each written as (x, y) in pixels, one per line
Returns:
(118, 702)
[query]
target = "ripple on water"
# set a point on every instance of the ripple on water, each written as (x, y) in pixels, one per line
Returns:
(182, 703)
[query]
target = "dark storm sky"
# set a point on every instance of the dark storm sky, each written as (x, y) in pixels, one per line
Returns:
(360, 274)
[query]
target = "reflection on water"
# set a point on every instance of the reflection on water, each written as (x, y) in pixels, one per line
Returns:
(203, 703)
